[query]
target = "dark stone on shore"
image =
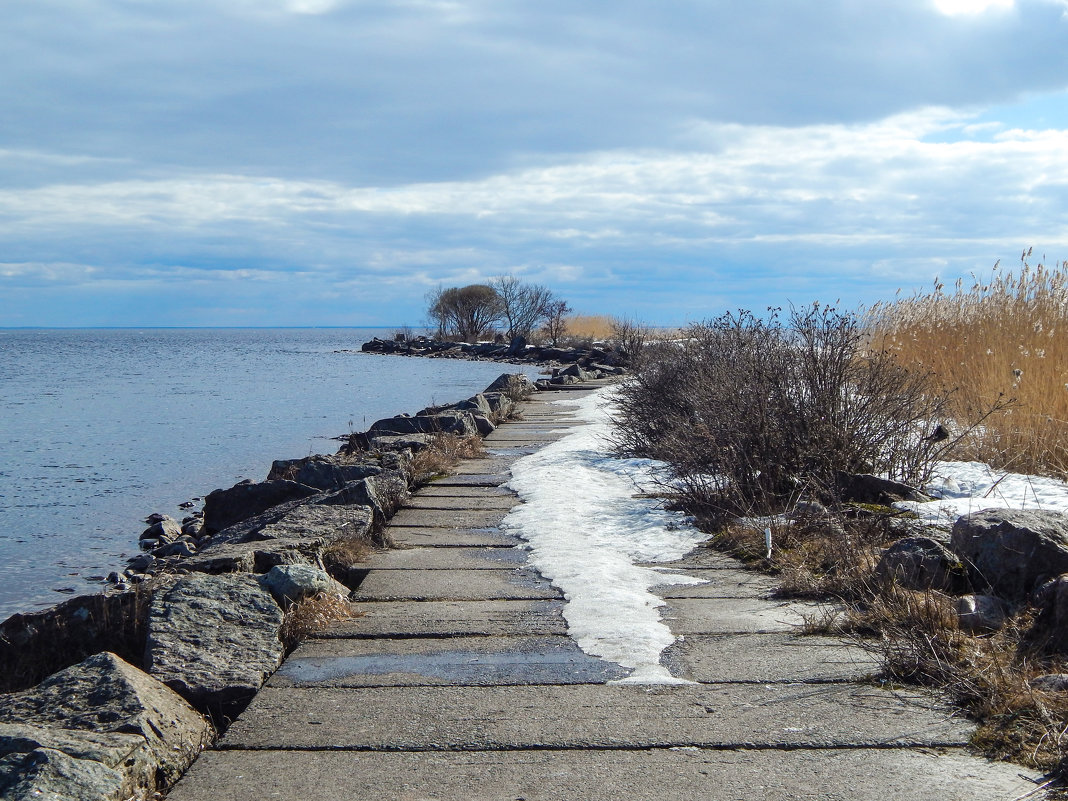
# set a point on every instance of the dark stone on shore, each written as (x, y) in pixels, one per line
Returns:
(323, 472)
(866, 488)
(1012, 551)
(214, 640)
(921, 563)
(225, 507)
(459, 423)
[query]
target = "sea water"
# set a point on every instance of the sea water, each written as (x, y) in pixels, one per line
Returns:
(101, 427)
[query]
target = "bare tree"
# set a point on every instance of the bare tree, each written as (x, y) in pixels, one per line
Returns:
(467, 312)
(556, 320)
(523, 305)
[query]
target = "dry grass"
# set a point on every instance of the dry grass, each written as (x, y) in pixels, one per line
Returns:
(597, 328)
(312, 615)
(443, 454)
(1007, 338)
(342, 554)
(915, 633)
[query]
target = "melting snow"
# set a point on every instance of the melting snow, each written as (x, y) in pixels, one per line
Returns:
(587, 533)
(964, 487)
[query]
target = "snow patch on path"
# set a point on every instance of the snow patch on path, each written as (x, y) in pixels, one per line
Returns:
(587, 531)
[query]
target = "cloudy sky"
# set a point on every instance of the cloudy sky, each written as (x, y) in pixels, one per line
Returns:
(326, 162)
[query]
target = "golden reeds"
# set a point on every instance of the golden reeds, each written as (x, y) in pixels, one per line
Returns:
(1003, 338)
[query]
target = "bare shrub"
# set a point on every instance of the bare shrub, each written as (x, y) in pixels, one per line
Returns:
(631, 336)
(752, 414)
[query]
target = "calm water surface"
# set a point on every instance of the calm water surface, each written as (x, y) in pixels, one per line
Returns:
(100, 427)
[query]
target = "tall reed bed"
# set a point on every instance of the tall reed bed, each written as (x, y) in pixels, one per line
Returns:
(1002, 341)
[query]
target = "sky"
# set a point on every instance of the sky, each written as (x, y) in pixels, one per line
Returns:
(329, 162)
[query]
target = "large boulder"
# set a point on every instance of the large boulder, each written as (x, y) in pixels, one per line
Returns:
(293, 583)
(1010, 550)
(1050, 629)
(225, 507)
(867, 488)
(325, 473)
(214, 640)
(101, 726)
(455, 422)
(921, 563)
(516, 386)
(980, 614)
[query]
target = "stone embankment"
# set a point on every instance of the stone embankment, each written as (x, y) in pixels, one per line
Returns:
(111, 696)
(457, 680)
(569, 365)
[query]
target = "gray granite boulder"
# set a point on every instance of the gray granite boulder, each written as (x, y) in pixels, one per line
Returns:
(225, 507)
(326, 473)
(456, 422)
(867, 488)
(516, 386)
(1050, 629)
(1012, 551)
(399, 442)
(214, 640)
(294, 533)
(293, 583)
(921, 563)
(103, 726)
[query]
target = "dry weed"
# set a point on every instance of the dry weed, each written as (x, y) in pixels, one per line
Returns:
(443, 454)
(313, 615)
(1002, 338)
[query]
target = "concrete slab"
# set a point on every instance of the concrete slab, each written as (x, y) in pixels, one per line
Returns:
(467, 661)
(453, 537)
(461, 502)
(448, 518)
(445, 489)
(647, 775)
(457, 558)
(455, 585)
(450, 619)
(485, 465)
(720, 583)
(736, 615)
(593, 716)
(473, 480)
(768, 658)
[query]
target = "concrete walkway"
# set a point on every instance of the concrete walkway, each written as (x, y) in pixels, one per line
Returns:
(458, 681)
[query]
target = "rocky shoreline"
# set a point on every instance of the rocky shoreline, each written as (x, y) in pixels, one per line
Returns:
(112, 695)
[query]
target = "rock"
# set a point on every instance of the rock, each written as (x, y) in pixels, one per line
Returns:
(141, 563)
(483, 425)
(56, 765)
(459, 423)
(1051, 683)
(225, 507)
(192, 528)
(866, 488)
(543, 384)
(1010, 550)
(103, 695)
(398, 442)
(921, 563)
(179, 549)
(516, 386)
(293, 583)
(980, 614)
(295, 533)
(573, 370)
(517, 347)
(1050, 629)
(214, 640)
(166, 529)
(500, 405)
(325, 473)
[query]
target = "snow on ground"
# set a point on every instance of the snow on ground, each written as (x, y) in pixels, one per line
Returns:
(587, 531)
(964, 487)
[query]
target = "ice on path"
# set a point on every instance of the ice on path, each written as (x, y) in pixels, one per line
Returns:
(586, 531)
